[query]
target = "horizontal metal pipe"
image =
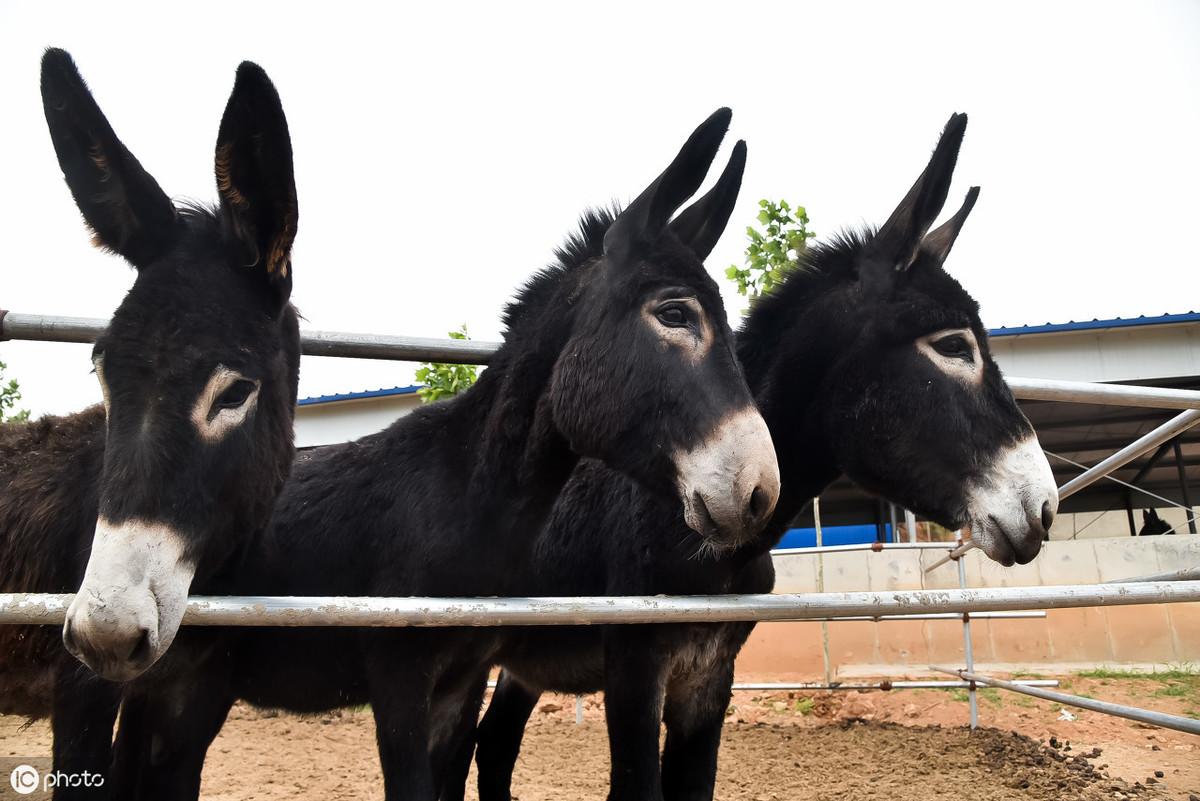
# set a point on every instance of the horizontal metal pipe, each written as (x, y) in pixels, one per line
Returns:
(49, 328)
(46, 328)
(1104, 394)
(1175, 722)
(877, 547)
(371, 611)
(1148, 441)
(931, 684)
(1186, 574)
(1023, 615)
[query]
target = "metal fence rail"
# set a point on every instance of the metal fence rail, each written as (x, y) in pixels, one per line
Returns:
(874, 606)
(598, 610)
(48, 328)
(1175, 722)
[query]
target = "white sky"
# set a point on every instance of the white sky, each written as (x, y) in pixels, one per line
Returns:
(442, 151)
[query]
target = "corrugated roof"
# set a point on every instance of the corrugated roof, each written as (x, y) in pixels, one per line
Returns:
(1093, 325)
(366, 393)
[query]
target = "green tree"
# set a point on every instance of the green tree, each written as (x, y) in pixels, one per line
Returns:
(774, 251)
(10, 393)
(446, 380)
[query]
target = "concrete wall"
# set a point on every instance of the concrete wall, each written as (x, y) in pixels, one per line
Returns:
(1065, 639)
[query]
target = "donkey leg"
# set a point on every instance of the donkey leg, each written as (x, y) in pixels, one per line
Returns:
(498, 740)
(165, 732)
(634, 681)
(694, 714)
(401, 675)
(452, 753)
(84, 711)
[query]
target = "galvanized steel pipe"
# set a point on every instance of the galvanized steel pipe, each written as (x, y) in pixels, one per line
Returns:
(50, 328)
(1152, 439)
(369, 611)
(1175, 722)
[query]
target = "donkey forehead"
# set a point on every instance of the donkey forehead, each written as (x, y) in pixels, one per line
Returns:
(177, 306)
(670, 264)
(182, 344)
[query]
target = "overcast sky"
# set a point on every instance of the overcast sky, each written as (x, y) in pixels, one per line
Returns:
(443, 151)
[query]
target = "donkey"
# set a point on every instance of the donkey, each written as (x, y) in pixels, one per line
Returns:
(1153, 525)
(869, 361)
(620, 352)
(133, 501)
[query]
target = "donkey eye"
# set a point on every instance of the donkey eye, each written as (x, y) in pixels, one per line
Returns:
(673, 315)
(954, 347)
(234, 395)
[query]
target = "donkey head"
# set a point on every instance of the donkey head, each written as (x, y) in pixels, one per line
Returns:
(926, 416)
(198, 367)
(648, 381)
(915, 408)
(1153, 524)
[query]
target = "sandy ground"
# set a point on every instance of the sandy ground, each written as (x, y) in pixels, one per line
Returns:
(902, 745)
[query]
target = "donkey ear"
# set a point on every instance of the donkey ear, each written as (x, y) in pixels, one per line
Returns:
(899, 239)
(939, 241)
(646, 217)
(255, 178)
(126, 209)
(701, 224)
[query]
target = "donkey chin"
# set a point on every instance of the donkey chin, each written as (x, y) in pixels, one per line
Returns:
(729, 483)
(132, 600)
(1012, 507)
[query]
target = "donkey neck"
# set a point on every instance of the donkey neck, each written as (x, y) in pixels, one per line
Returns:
(517, 461)
(787, 387)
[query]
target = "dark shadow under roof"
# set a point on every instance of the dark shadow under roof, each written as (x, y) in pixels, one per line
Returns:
(1084, 433)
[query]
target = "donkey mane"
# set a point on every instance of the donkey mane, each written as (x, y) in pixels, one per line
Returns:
(829, 266)
(581, 247)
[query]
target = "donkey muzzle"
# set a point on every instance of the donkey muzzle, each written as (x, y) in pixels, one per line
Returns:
(729, 484)
(1013, 507)
(132, 599)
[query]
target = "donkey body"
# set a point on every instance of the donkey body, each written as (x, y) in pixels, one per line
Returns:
(621, 352)
(869, 361)
(132, 501)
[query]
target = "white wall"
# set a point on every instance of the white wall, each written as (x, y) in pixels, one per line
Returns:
(1138, 353)
(343, 421)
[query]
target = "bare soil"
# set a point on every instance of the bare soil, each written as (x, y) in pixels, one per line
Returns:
(900, 745)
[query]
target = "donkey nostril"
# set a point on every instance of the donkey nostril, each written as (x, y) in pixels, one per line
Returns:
(141, 649)
(1047, 516)
(760, 501)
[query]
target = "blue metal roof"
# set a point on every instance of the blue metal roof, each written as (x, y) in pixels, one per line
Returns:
(367, 393)
(1093, 325)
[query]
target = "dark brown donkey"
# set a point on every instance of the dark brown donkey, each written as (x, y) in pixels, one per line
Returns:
(134, 502)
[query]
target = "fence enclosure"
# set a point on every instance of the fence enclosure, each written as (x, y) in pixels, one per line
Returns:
(889, 601)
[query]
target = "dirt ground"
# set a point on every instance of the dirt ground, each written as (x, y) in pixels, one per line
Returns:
(907, 745)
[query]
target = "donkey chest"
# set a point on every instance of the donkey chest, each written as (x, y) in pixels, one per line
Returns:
(29, 657)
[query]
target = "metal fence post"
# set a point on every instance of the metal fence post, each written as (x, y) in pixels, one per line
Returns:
(968, 650)
(821, 588)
